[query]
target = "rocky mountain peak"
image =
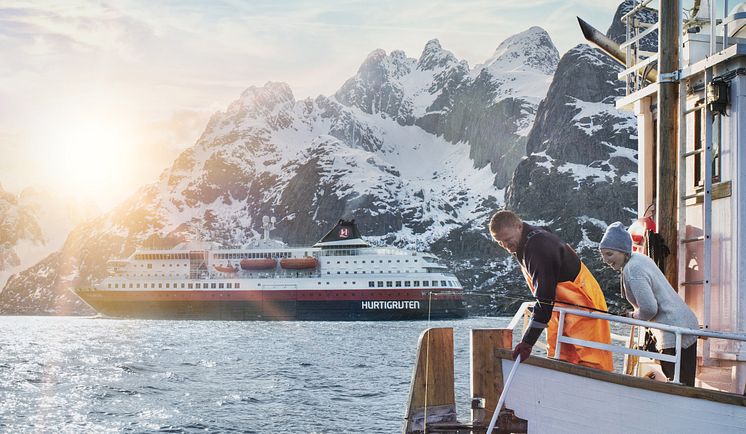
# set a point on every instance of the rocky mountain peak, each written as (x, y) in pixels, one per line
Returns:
(268, 96)
(617, 30)
(531, 49)
(435, 57)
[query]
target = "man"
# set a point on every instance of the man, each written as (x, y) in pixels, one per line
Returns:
(554, 274)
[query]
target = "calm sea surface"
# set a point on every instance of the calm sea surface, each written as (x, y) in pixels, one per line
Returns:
(71, 374)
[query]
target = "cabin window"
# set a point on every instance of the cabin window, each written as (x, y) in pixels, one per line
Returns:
(198, 285)
(238, 285)
(229, 285)
(150, 266)
(221, 286)
(167, 285)
(407, 283)
(130, 285)
(380, 284)
(435, 283)
(160, 285)
(190, 286)
(116, 285)
(699, 141)
(212, 286)
(110, 286)
(717, 140)
(371, 284)
(138, 286)
(443, 283)
(182, 286)
(389, 284)
(416, 283)
(398, 283)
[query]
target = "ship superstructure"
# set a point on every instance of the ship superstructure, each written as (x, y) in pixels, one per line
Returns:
(341, 277)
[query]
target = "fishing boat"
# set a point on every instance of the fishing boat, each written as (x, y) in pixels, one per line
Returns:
(341, 277)
(690, 104)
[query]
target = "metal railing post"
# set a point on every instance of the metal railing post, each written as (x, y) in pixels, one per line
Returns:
(677, 366)
(560, 330)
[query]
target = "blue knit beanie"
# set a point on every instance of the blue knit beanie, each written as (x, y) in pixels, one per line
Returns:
(616, 238)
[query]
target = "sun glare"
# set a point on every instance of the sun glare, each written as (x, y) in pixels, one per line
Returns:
(86, 155)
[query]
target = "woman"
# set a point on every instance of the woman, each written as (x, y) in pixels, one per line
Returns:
(653, 298)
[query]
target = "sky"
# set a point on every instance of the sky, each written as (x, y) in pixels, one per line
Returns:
(97, 98)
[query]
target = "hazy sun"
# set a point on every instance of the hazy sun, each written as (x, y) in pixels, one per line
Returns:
(85, 154)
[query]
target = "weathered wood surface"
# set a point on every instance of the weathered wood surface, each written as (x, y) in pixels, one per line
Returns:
(431, 394)
(668, 111)
(486, 370)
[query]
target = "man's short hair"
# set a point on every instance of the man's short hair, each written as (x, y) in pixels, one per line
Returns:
(502, 219)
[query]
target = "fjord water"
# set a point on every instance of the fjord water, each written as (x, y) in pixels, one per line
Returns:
(73, 374)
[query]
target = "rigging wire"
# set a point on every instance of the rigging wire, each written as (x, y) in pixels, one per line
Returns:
(524, 299)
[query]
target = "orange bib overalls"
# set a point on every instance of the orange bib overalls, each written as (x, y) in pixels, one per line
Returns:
(583, 291)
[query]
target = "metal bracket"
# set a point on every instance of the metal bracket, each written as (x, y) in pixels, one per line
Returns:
(669, 77)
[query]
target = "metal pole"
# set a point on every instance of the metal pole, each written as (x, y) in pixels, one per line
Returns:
(677, 366)
(560, 330)
(503, 395)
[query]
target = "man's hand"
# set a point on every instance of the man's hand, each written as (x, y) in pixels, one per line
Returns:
(523, 349)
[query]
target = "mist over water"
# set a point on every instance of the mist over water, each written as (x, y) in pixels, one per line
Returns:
(71, 374)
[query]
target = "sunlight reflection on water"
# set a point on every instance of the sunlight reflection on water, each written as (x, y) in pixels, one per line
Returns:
(96, 375)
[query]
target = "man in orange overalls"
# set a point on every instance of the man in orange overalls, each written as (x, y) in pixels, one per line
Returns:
(554, 274)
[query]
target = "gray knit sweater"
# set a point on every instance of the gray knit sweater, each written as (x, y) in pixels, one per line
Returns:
(654, 300)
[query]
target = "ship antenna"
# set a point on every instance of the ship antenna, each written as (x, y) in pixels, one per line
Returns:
(268, 224)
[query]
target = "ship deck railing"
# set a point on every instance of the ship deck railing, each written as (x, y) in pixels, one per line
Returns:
(525, 309)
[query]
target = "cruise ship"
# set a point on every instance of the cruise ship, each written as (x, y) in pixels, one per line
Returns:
(340, 278)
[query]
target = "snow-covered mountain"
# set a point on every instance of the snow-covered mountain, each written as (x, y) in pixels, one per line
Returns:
(490, 107)
(417, 151)
(34, 224)
(580, 171)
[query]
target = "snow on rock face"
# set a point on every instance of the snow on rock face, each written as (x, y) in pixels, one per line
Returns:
(523, 65)
(34, 224)
(580, 170)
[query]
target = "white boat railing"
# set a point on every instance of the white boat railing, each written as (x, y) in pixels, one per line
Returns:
(677, 331)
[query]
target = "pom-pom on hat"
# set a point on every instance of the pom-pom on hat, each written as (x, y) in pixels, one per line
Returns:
(616, 238)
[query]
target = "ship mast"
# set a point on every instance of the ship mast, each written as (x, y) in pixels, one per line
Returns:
(668, 106)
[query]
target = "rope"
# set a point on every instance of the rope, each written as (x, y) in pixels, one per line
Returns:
(547, 301)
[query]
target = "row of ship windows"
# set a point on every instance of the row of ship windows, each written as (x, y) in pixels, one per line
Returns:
(216, 285)
(160, 256)
(251, 274)
(407, 283)
(380, 261)
(237, 285)
(253, 255)
(379, 272)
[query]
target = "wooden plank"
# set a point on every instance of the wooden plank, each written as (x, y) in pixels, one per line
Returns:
(486, 370)
(641, 383)
(431, 394)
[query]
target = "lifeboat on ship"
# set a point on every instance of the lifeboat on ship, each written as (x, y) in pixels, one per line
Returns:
(299, 263)
(258, 264)
(225, 268)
